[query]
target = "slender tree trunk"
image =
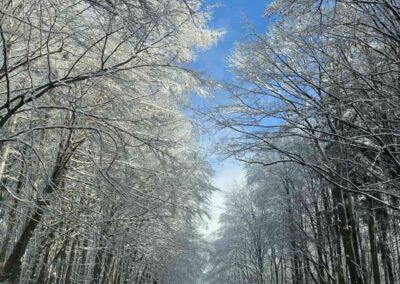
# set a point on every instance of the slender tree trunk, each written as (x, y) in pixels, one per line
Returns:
(385, 251)
(372, 244)
(346, 229)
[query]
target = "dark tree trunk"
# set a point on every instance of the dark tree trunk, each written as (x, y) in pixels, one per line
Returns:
(372, 244)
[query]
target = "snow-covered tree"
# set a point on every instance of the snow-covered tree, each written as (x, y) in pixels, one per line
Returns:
(98, 165)
(320, 90)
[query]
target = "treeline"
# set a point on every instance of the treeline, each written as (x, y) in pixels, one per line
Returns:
(316, 117)
(101, 179)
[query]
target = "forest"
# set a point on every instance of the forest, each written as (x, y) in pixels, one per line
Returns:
(104, 173)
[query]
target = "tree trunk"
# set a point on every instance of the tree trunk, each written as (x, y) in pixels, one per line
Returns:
(372, 244)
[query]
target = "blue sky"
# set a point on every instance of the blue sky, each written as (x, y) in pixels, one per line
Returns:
(232, 16)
